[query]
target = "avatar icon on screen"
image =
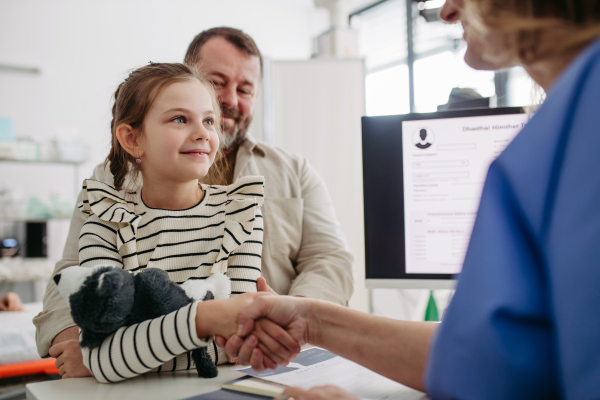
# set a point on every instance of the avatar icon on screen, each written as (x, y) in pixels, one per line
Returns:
(426, 140)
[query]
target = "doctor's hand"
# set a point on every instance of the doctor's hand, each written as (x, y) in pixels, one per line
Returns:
(291, 313)
(328, 392)
(69, 359)
(219, 317)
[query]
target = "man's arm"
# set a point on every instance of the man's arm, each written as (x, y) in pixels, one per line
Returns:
(324, 264)
(56, 315)
(55, 318)
(395, 349)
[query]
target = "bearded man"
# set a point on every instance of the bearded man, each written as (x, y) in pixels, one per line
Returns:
(304, 252)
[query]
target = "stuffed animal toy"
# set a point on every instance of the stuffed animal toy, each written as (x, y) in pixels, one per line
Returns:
(105, 298)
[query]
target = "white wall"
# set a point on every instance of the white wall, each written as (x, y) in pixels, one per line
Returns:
(317, 106)
(85, 48)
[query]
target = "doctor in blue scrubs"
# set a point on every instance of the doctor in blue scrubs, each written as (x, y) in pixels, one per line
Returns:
(525, 320)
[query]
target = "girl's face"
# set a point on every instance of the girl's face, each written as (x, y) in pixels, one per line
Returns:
(486, 48)
(180, 142)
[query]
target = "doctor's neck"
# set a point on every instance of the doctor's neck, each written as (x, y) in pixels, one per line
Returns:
(546, 72)
(560, 53)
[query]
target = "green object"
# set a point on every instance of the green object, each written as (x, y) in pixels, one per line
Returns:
(431, 313)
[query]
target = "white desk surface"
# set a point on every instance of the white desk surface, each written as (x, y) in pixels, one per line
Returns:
(152, 386)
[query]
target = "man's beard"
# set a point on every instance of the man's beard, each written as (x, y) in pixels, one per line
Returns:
(233, 139)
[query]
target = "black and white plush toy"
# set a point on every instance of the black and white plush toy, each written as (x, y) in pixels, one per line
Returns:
(105, 298)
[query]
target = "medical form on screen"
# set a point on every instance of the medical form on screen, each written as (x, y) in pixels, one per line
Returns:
(445, 162)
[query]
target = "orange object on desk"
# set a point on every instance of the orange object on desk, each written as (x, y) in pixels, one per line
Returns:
(36, 367)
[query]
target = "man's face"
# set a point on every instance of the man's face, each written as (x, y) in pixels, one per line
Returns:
(236, 76)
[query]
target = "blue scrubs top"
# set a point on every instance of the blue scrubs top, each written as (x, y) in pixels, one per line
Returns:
(525, 319)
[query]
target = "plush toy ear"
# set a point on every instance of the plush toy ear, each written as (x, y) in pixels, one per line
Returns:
(70, 280)
(110, 282)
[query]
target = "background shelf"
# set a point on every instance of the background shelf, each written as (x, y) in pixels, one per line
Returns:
(59, 162)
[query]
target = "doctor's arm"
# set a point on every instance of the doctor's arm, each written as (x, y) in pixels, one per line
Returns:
(395, 349)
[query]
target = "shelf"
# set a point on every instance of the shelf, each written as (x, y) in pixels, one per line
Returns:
(58, 162)
(25, 269)
(4, 219)
(19, 69)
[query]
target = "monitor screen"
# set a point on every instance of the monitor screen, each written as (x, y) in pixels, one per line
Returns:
(423, 176)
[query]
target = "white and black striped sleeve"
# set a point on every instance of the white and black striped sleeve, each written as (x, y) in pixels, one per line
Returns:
(98, 243)
(244, 264)
(141, 348)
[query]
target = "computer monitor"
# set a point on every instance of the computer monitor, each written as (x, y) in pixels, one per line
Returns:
(423, 175)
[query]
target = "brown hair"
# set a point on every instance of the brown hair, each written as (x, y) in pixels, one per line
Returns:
(132, 100)
(529, 19)
(234, 36)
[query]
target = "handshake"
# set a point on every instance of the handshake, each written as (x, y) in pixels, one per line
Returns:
(270, 331)
(261, 329)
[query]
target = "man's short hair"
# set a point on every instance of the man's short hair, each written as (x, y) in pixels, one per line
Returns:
(234, 36)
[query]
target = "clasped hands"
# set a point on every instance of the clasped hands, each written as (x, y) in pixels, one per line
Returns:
(271, 330)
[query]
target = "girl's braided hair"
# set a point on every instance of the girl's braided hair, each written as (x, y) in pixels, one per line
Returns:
(132, 100)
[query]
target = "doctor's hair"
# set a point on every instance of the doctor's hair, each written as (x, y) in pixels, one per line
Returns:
(236, 37)
(529, 20)
(132, 100)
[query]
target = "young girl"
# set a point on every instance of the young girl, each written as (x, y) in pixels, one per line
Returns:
(166, 126)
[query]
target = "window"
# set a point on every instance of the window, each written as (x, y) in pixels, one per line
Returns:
(383, 44)
(438, 61)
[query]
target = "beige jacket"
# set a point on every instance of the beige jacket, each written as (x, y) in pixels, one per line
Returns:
(304, 251)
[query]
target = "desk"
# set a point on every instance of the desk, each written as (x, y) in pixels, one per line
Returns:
(151, 386)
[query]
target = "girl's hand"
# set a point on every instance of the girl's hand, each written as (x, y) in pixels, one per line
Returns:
(261, 286)
(270, 337)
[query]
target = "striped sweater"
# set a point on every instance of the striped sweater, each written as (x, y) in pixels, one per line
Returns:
(221, 234)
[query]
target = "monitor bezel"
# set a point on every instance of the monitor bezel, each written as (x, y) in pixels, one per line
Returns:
(404, 279)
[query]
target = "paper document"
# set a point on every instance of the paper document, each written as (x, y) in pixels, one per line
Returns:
(445, 163)
(317, 367)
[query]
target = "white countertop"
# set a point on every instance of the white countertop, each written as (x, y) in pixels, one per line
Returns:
(152, 386)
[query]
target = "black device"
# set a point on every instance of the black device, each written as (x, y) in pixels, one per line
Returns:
(35, 239)
(441, 156)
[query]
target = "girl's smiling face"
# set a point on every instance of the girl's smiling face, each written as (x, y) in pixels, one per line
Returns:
(180, 141)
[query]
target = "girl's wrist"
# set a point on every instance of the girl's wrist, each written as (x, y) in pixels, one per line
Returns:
(206, 321)
(216, 317)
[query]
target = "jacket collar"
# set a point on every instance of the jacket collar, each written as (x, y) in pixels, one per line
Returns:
(251, 145)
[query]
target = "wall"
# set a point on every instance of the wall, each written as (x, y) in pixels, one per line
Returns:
(317, 106)
(85, 48)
